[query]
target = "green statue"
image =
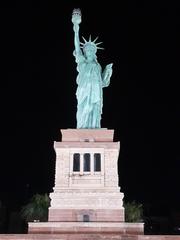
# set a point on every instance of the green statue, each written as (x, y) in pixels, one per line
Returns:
(90, 80)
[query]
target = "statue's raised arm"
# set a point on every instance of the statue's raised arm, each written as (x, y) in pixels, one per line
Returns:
(76, 20)
(90, 80)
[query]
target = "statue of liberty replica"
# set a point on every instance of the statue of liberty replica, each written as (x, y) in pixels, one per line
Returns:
(90, 80)
(86, 202)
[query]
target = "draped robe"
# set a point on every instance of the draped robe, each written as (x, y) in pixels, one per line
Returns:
(89, 92)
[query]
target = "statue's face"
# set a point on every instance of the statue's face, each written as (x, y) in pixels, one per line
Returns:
(90, 53)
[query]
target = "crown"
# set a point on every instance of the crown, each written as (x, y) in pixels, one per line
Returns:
(90, 44)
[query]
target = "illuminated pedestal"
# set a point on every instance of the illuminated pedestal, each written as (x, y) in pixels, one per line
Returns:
(86, 195)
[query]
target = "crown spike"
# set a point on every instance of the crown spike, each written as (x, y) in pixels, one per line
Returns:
(98, 43)
(95, 39)
(89, 38)
(100, 48)
(84, 39)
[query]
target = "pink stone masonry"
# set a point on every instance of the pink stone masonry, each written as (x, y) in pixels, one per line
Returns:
(83, 236)
(92, 135)
(75, 192)
(86, 227)
(98, 215)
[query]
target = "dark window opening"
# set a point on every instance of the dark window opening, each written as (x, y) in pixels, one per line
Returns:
(85, 218)
(76, 162)
(86, 162)
(97, 162)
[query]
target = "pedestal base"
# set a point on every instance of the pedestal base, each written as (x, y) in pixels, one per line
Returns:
(87, 228)
(94, 215)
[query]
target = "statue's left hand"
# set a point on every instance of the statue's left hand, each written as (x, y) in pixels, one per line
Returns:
(108, 70)
(107, 75)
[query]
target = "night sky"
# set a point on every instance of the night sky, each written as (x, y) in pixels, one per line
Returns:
(37, 94)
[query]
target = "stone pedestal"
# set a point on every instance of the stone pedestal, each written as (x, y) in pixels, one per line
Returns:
(91, 194)
(86, 195)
